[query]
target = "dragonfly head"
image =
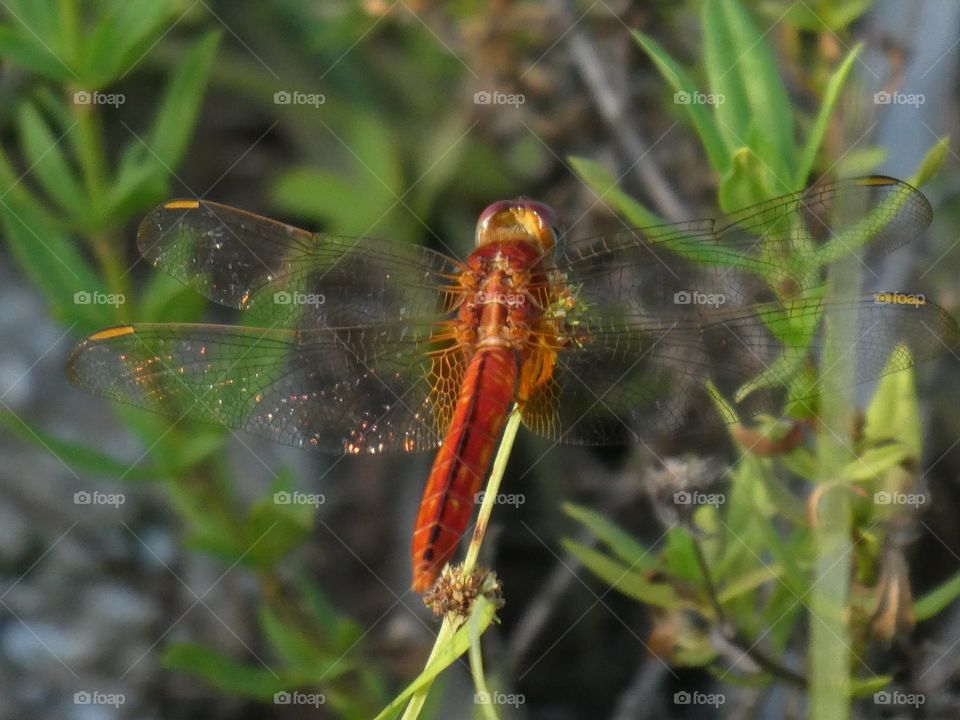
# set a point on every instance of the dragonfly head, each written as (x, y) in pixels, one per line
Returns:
(518, 220)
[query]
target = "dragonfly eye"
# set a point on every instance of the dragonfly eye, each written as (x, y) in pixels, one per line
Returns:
(518, 220)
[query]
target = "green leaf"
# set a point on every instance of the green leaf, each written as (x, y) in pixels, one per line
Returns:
(40, 21)
(166, 299)
(343, 632)
(177, 114)
(614, 537)
(222, 672)
(139, 182)
(44, 152)
(441, 159)
(802, 463)
(837, 80)
(875, 461)
(816, 16)
(680, 556)
(746, 183)
(718, 153)
(319, 195)
(121, 37)
(331, 196)
(445, 656)
(17, 192)
(51, 261)
(781, 614)
(894, 414)
(937, 599)
(931, 162)
(860, 161)
(79, 458)
(22, 49)
(606, 189)
(623, 578)
(748, 582)
(177, 446)
(743, 70)
(866, 687)
(294, 644)
(273, 528)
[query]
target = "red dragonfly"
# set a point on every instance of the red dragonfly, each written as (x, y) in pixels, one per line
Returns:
(367, 346)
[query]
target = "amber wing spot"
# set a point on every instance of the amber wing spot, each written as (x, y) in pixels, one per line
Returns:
(182, 205)
(875, 181)
(113, 332)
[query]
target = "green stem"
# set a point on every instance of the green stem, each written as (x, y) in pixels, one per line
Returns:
(448, 628)
(491, 491)
(830, 656)
(91, 155)
(487, 709)
(68, 21)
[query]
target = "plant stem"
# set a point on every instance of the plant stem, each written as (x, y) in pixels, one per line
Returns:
(448, 628)
(476, 671)
(91, 156)
(491, 491)
(829, 654)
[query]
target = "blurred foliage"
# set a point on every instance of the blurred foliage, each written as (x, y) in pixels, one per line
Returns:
(707, 576)
(392, 145)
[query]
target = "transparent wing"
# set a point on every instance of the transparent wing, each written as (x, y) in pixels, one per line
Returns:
(655, 315)
(289, 277)
(351, 390)
(637, 379)
(778, 247)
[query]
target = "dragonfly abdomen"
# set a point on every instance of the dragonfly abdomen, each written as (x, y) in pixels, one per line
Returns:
(463, 459)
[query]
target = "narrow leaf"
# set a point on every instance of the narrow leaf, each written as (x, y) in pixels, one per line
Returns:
(24, 50)
(834, 86)
(606, 189)
(180, 105)
(622, 578)
(79, 458)
(686, 94)
(743, 70)
(619, 541)
(121, 37)
(937, 599)
(931, 162)
(222, 672)
(45, 155)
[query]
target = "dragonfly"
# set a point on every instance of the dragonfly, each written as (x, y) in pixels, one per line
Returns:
(361, 345)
